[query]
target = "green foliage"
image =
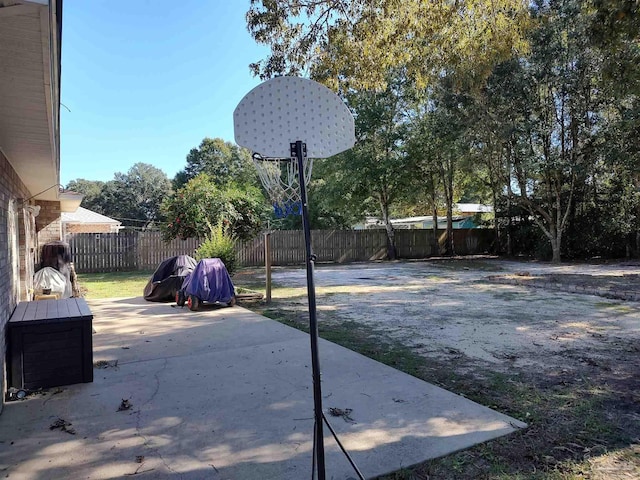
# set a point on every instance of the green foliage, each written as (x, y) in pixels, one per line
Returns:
(134, 197)
(373, 175)
(201, 202)
(328, 207)
(533, 105)
(219, 243)
(91, 190)
(357, 43)
(140, 192)
(224, 162)
(437, 146)
(541, 117)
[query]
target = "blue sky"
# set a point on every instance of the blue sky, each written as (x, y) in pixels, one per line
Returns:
(146, 81)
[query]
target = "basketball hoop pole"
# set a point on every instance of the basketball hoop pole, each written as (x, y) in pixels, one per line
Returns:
(298, 151)
(284, 173)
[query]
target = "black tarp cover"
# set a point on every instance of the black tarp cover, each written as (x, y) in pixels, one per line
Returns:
(168, 277)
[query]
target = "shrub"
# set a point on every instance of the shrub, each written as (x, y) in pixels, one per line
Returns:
(218, 244)
(200, 201)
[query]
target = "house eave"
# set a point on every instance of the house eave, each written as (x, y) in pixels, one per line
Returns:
(30, 92)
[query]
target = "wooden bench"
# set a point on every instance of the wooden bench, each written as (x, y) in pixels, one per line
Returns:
(50, 344)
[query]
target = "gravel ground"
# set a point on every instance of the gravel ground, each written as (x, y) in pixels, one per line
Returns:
(557, 346)
(485, 310)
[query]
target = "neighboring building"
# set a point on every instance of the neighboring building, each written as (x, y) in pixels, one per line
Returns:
(423, 222)
(465, 215)
(84, 220)
(30, 198)
(466, 209)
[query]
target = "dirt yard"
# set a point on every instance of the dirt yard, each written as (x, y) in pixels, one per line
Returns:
(514, 336)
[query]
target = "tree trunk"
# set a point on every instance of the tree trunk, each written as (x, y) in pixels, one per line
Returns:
(450, 249)
(556, 242)
(496, 227)
(555, 248)
(446, 172)
(436, 244)
(391, 238)
(509, 226)
(392, 253)
(509, 198)
(434, 212)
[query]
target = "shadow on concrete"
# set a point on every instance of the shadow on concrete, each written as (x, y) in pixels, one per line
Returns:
(225, 393)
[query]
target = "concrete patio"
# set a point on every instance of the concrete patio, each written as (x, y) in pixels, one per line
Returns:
(225, 393)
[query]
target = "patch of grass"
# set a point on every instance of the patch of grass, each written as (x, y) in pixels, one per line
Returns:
(507, 296)
(618, 307)
(113, 285)
(131, 284)
(249, 277)
(246, 290)
(466, 264)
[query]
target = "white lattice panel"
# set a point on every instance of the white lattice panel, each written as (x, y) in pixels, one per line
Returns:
(286, 109)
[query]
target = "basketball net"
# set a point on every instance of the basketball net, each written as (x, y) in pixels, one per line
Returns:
(280, 178)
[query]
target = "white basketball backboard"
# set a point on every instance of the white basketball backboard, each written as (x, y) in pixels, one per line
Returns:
(284, 110)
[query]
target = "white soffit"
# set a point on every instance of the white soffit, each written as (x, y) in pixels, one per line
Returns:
(28, 95)
(284, 110)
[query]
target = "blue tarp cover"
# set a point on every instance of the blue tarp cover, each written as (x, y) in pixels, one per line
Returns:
(209, 281)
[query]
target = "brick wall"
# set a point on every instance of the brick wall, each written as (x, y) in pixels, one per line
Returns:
(27, 250)
(48, 224)
(87, 228)
(13, 194)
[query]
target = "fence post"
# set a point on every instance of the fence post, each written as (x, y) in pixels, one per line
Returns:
(267, 265)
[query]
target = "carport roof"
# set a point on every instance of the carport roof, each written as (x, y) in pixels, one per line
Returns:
(84, 215)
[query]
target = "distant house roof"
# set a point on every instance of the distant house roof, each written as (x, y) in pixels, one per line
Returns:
(83, 215)
(422, 219)
(461, 219)
(473, 207)
(422, 222)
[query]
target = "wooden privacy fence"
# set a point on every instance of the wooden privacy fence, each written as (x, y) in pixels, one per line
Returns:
(152, 249)
(124, 251)
(104, 252)
(343, 246)
(127, 251)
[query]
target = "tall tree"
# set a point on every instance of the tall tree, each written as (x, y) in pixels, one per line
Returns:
(135, 197)
(202, 204)
(92, 191)
(548, 106)
(357, 42)
(614, 30)
(374, 175)
(499, 132)
(439, 147)
(225, 162)
(422, 151)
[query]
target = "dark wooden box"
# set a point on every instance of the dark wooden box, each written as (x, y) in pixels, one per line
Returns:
(50, 344)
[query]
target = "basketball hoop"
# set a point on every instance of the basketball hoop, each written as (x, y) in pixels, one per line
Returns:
(276, 114)
(280, 179)
(288, 121)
